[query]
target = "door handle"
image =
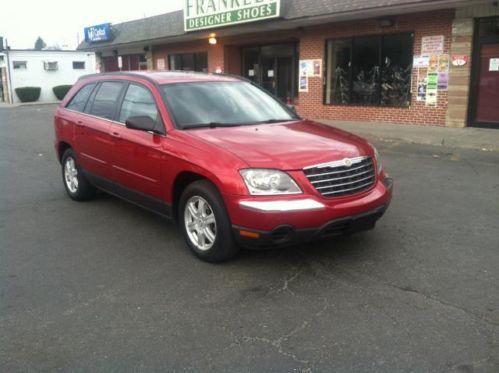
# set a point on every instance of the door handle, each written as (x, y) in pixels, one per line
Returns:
(116, 134)
(80, 123)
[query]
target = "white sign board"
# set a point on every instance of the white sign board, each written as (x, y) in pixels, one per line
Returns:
(160, 64)
(421, 62)
(494, 64)
(432, 45)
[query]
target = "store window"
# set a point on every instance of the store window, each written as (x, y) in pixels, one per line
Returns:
(371, 70)
(189, 62)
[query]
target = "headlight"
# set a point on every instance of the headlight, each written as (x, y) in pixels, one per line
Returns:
(263, 182)
(378, 159)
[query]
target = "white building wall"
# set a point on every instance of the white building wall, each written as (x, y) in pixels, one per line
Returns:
(35, 74)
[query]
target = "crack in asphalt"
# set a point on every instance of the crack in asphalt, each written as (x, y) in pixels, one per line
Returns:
(405, 289)
(277, 343)
(287, 282)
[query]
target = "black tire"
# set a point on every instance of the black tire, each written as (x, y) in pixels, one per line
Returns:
(223, 247)
(83, 190)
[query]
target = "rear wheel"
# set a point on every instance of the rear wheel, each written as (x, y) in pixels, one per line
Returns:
(75, 183)
(205, 223)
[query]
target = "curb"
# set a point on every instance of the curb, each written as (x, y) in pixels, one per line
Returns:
(486, 140)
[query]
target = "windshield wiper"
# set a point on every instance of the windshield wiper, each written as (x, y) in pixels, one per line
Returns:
(270, 121)
(211, 125)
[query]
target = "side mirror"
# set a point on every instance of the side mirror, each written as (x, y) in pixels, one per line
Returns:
(141, 123)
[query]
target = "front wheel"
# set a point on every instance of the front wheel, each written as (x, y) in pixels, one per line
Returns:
(205, 223)
(75, 183)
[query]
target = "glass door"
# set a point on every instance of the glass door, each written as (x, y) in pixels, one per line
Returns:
(273, 67)
(484, 99)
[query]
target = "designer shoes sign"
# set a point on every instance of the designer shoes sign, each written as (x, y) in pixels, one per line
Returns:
(205, 14)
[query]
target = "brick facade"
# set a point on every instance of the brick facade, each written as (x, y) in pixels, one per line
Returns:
(226, 56)
(312, 45)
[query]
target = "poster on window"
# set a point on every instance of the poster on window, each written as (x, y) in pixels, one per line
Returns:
(311, 68)
(303, 84)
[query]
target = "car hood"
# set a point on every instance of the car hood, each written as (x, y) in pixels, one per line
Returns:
(286, 146)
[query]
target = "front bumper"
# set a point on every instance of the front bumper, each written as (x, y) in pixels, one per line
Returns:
(262, 223)
(286, 235)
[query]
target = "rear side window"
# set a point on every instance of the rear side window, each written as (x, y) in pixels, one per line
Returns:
(138, 101)
(80, 99)
(106, 99)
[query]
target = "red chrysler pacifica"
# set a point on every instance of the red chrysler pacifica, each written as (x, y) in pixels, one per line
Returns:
(225, 159)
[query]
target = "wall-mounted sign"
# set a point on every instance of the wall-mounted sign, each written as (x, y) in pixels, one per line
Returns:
(443, 81)
(432, 45)
(459, 60)
(433, 64)
(203, 14)
(420, 62)
(94, 34)
(443, 63)
(303, 84)
(494, 64)
(311, 68)
(421, 97)
(161, 64)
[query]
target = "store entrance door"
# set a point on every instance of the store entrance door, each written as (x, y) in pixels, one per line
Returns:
(485, 79)
(273, 67)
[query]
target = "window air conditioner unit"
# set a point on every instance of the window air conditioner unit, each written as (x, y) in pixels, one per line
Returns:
(50, 65)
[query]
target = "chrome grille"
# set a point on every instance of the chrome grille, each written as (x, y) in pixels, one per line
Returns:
(343, 177)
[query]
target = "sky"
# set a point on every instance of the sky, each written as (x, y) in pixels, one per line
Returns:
(59, 22)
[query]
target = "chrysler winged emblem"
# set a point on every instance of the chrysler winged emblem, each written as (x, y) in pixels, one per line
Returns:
(348, 162)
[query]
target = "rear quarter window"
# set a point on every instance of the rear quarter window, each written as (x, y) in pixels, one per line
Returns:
(80, 99)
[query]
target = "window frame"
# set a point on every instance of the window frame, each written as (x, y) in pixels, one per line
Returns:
(195, 59)
(91, 101)
(25, 63)
(79, 68)
(380, 38)
(159, 121)
(88, 98)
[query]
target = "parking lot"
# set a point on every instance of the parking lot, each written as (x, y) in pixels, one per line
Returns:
(107, 286)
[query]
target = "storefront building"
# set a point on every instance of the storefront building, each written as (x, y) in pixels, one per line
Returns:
(403, 62)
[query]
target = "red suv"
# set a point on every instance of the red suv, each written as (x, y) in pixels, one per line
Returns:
(229, 162)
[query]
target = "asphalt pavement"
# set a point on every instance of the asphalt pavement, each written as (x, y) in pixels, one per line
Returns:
(105, 286)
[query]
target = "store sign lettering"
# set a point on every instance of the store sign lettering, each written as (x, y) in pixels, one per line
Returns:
(98, 33)
(205, 14)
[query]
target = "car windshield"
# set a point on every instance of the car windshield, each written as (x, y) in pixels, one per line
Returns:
(222, 104)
